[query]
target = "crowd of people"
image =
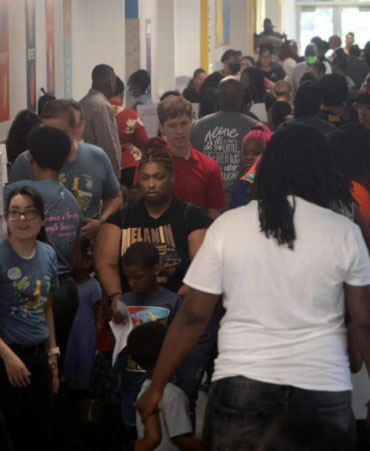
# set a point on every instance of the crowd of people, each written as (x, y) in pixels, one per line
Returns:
(234, 247)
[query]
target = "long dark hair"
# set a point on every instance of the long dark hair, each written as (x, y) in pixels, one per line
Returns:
(297, 162)
(38, 204)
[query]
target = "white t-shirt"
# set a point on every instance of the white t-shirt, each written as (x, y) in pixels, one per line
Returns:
(284, 320)
(173, 415)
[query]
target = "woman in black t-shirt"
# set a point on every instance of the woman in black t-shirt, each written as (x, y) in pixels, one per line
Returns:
(176, 228)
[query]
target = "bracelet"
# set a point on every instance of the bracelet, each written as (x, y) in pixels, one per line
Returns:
(110, 298)
(54, 351)
(53, 366)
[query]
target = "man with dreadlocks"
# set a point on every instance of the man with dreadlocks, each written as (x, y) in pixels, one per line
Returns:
(287, 267)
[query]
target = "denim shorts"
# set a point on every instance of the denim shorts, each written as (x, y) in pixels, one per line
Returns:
(240, 409)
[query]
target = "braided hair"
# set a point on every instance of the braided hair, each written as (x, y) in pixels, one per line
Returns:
(297, 162)
(156, 151)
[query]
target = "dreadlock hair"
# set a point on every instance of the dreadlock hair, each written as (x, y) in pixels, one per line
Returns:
(297, 162)
(156, 151)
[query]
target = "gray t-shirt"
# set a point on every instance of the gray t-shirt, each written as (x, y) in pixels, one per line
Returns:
(63, 217)
(219, 136)
(89, 177)
(173, 415)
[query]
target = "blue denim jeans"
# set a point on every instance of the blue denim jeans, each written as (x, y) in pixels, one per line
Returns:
(240, 409)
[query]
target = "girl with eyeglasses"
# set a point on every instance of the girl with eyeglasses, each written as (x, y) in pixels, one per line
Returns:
(28, 351)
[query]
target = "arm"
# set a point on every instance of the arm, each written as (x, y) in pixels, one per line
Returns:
(357, 299)
(187, 327)
(364, 227)
(152, 434)
(106, 258)
(91, 225)
(354, 354)
(51, 343)
(187, 442)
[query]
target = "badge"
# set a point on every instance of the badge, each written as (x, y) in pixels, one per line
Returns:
(14, 273)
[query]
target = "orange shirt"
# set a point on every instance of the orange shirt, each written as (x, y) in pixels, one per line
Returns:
(362, 197)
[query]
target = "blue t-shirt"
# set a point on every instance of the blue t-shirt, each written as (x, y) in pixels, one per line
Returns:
(24, 288)
(63, 217)
(145, 307)
(90, 177)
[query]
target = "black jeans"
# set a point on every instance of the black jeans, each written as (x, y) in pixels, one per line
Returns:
(28, 411)
(240, 409)
(65, 304)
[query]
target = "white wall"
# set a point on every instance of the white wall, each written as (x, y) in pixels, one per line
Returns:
(289, 19)
(239, 37)
(187, 37)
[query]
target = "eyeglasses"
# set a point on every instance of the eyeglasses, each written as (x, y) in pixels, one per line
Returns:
(29, 214)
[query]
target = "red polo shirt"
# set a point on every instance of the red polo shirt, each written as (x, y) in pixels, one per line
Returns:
(197, 180)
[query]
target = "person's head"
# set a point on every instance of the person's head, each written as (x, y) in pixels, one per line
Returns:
(43, 100)
(335, 42)
(265, 55)
(281, 111)
(48, 148)
(170, 93)
(139, 82)
(199, 76)
(174, 114)
(310, 54)
(60, 114)
(354, 51)
(253, 145)
(141, 266)
(144, 343)
(156, 173)
(318, 70)
(16, 141)
(231, 61)
(339, 65)
(230, 94)
(320, 44)
(246, 61)
(301, 432)
(287, 51)
(104, 79)
(24, 214)
(350, 150)
(363, 104)
(367, 52)
(252, 79)
(350, 39)
(334, 90)
(307, 100)
(267, 25)
(283, 90)
(94, 425)
(85, 264)
(209, 102)
(296, 162)
(119, 93)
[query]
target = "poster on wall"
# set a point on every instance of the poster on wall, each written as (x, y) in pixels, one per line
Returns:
(4, 60)
(222, 22)
(67, 47)
(148, 43)
(31, 54)
(50, 46)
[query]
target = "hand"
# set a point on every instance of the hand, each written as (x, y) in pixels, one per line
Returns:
(54, 381)
(148, 402)
(18, 373)
(116, 316)
(91, 227)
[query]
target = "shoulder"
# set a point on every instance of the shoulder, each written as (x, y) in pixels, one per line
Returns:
(87, 150)
(45, 250)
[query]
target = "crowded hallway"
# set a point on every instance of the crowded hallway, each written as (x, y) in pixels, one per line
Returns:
(184, 225)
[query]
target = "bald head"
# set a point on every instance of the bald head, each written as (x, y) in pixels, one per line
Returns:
(230, 94)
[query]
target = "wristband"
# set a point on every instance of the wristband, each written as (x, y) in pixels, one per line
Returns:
(110, 298)
(54, 351)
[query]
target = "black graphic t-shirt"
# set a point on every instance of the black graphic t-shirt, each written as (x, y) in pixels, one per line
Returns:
(169, 233)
